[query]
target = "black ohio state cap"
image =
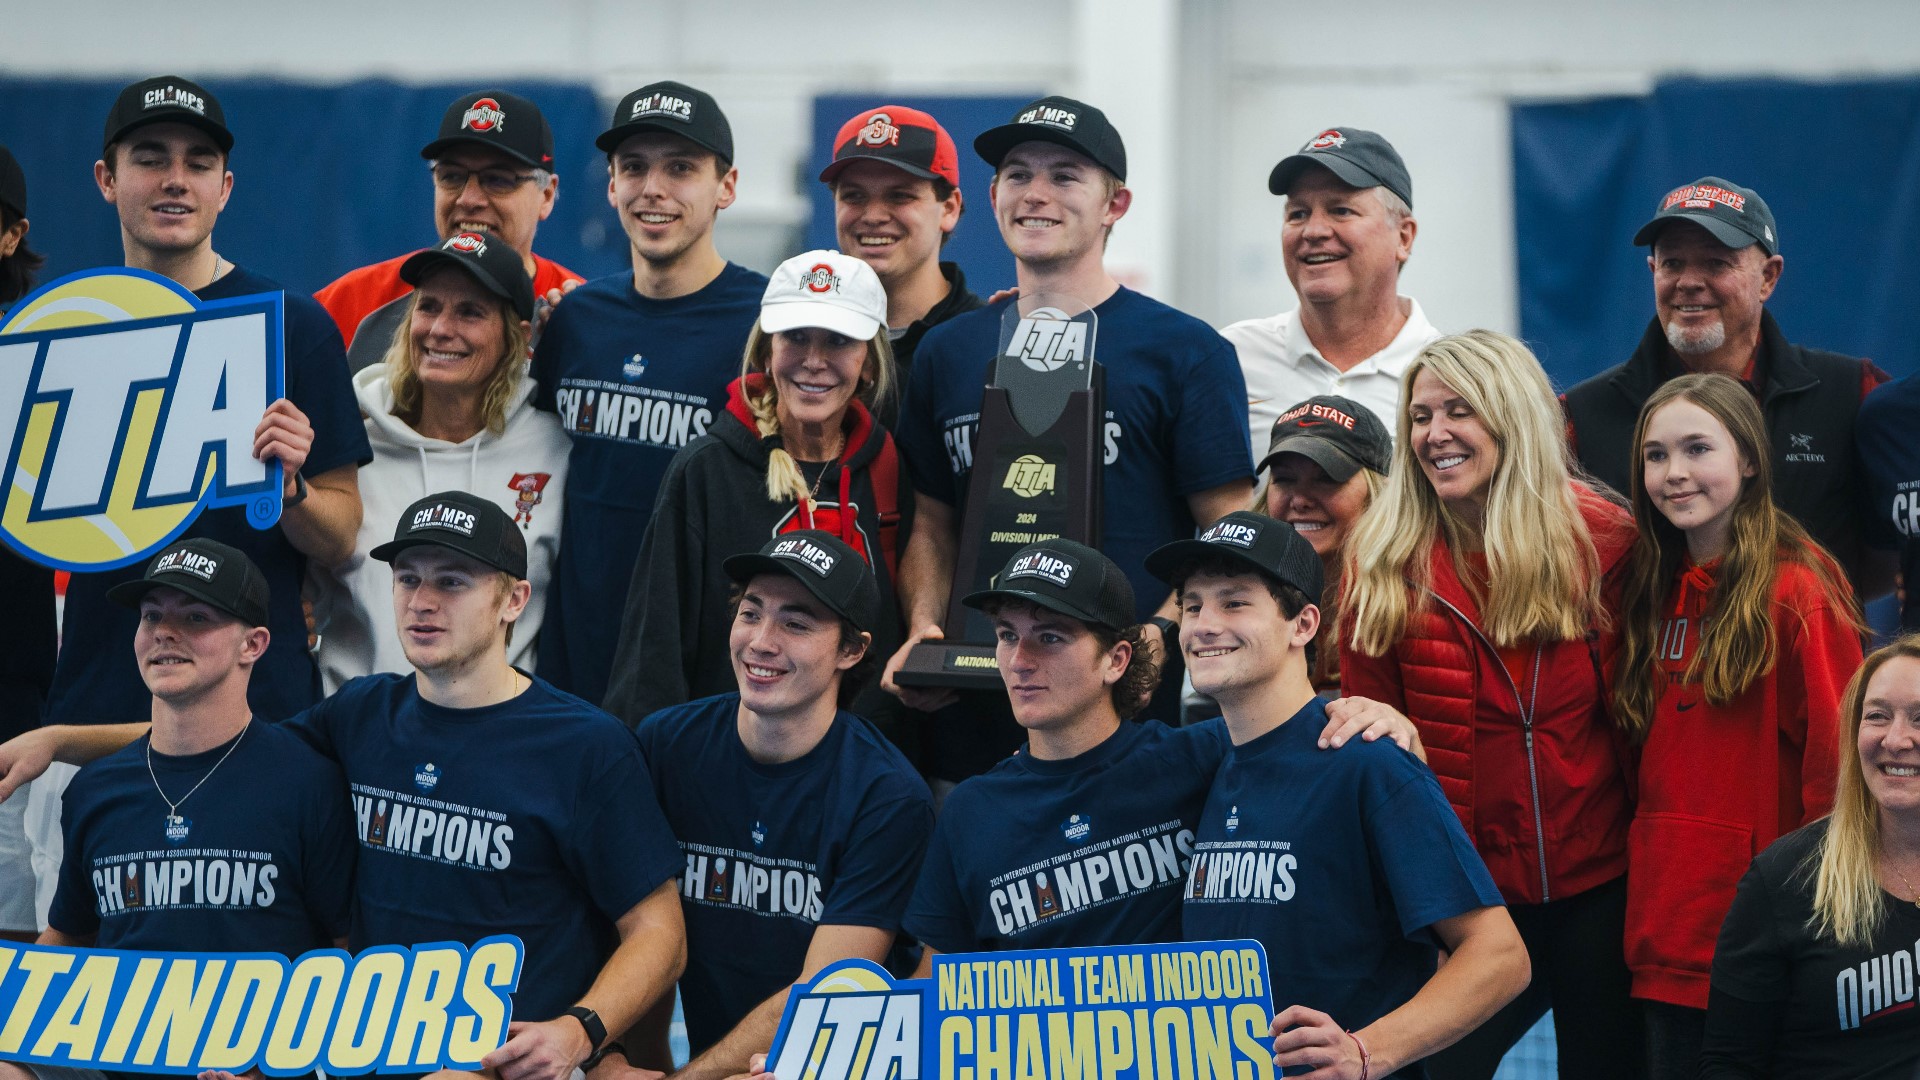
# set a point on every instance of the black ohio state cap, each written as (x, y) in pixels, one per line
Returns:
(498, 119)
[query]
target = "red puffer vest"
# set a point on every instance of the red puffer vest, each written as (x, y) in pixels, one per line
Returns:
(1531, 761)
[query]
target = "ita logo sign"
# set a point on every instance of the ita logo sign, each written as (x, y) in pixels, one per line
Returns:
(127, 406)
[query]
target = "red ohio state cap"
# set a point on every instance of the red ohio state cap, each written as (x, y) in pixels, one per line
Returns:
(907, 139)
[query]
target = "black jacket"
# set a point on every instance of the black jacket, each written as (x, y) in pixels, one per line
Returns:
(1809, 397)
(713, 504)
(958, 301)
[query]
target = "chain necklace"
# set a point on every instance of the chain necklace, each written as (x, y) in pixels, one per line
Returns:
(176, 827)
(1905, 882)
(813, 494)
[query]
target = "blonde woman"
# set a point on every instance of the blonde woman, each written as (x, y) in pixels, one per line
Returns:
(796, 448)
(1473, 605)
(1815, 972)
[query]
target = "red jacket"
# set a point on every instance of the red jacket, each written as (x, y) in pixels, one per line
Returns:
(1561, 777)
(359, 293)
(1718, 783)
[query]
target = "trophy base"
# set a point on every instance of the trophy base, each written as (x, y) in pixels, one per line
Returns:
(944, 664)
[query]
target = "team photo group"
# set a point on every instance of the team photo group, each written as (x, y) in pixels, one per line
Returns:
(596, 615)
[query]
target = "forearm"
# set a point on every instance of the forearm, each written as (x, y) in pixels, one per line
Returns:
(83, 744)
(926, 566)
(640, 972)
(752, 1035)
(1480, 977)
(324, 525)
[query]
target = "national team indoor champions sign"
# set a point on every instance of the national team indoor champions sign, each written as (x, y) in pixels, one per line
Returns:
(127, 406)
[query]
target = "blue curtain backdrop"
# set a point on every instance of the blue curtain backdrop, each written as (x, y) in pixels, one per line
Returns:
(1839, 164)
(326, 178)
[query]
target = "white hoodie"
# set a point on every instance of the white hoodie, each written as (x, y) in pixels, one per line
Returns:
(353, 602)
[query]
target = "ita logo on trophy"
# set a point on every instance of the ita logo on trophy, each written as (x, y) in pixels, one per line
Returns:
(1036, 473)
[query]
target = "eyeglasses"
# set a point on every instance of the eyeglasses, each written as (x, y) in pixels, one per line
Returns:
(492, 181)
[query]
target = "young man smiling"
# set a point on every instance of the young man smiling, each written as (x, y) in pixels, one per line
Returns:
(1175, 441)
(637, 363)
(1374, 870)
(773, 893)
(1069, 652)
(487, 802)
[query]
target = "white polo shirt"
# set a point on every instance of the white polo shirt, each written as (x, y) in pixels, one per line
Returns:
(1282, 368)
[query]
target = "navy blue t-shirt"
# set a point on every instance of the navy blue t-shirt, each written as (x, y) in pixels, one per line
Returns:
(533, 817)
(1883, 434)
(1092, 850)
(1176, 421)
(634, 381)
(262, 863)
(832, 837)
(1337, 861)
(96, 680)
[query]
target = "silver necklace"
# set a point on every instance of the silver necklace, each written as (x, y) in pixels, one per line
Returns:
(176, 827)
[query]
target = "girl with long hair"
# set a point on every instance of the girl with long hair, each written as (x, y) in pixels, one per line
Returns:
(1474, 605)
(1738, 633)
(1814, 974)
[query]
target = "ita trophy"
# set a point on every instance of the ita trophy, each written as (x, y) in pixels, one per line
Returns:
(1036, 474)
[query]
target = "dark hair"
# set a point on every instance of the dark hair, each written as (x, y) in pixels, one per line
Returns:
(1291, 600)
(1142, 677)
(854, 679)
(18, 269)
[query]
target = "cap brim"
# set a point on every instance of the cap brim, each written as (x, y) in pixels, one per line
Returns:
(1290, 168)
(1165, 559)
(130, 593)
(434, 149)
(994, 144)
(793, 314)
(422, 263)
(979, 600)
(610, 139)
(1339, 465)
(827, 174)
(744, 568)
(221, 136)
(1731, 235)
(388, 551)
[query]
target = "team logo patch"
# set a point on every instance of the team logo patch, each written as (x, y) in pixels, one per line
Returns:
(670, 106)
(467, 243)
(484, 115)
(1704, 197)
(1314, 416)
(171, 96)
(204, 567)
(635, 368)
(529, 486)
(441, 516)
(1233, 821)
(759, 834)
(1047, 339)
(426, 777)
(1329, 139)
(879, 131)
(1051, 116)
(820, 279)
(176, 829)
(807, 554)
(1029, 475)
(1077, 828)
(1046, 566)
(1230, 532)
(127, 406)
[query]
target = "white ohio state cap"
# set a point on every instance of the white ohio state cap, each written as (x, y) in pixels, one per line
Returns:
(828, 290)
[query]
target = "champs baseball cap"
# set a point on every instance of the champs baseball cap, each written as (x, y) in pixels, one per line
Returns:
(1338, 434)
(167, 98)
(207, 570)
(825, 289)
(466, 523)
(1735, 215)
(1068, 577)
(675, 108)
(13, 183)
(497, 119)
(488, 259)
(1075, 125)
(1256, 540)
(907, 139)
(831, 570)
(1361, 159)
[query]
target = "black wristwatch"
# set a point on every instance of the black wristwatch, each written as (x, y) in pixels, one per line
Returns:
(601, 1055)
(596, 1031)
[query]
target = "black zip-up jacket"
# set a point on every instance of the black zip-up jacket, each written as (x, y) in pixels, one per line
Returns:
(958, 301)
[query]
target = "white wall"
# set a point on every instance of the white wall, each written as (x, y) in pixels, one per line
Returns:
(1253, 79)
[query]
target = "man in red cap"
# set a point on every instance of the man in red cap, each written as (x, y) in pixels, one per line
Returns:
(896, 199)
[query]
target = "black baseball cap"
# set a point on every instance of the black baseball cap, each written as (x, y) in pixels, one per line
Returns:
(1338, 434)
(497, 119)
(1735, 215)
(675, 108)
(1075, 125)
(13, 183)
(1361, 159)
(831, 570)
(207, 570)
(488, 259)
(167, 98)
(1068, 577)
(462, 522)
(1262, 543)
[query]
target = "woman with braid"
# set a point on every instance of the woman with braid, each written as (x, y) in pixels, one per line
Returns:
(796, 448)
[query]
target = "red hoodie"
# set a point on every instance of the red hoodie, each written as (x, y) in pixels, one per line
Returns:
(1718, 783)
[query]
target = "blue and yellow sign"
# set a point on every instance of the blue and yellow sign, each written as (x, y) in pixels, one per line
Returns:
(128, 405)
(440, 1006)
(1197, 1011)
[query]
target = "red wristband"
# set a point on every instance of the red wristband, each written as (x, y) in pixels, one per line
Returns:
(1366, 1059)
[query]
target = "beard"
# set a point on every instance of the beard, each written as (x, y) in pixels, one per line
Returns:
(1697, 341)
